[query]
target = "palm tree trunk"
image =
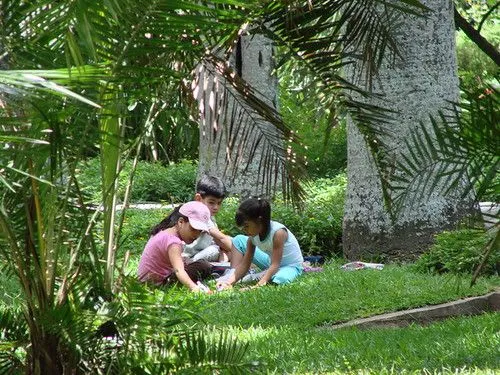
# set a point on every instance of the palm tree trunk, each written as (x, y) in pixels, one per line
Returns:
(419, 84)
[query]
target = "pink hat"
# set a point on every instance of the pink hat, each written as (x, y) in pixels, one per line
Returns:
(197, 213)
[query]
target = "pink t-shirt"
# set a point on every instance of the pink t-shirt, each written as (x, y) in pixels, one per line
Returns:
(154, 265)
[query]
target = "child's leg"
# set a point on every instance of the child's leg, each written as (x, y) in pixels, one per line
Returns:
(286, 274)
(260, 258)
(210, 253)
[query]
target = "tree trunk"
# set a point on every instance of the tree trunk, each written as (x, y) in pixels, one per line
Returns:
(420, 83)
(222, 152)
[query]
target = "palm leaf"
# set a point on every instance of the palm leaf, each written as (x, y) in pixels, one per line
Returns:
(457, 153)
(324, 34)
(229, 105)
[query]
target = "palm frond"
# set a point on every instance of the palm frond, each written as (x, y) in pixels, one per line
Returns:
(210, 350)
(324, 34)
(456, 154)
(14, 339)
(248, 123)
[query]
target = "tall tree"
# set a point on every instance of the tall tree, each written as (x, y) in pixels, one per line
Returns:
(421, 82)
(231, 145)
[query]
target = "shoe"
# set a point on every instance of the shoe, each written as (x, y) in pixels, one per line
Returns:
(251, 277)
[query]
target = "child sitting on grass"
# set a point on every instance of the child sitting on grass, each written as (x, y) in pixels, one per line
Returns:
(161, 262)
(213, 244)
(278, 252)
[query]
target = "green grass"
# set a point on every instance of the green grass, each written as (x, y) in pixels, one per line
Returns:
(453, 344)
(285, 325)
(335, 295)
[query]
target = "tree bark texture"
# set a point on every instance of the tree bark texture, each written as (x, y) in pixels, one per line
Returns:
(227, 149)
(419, 84)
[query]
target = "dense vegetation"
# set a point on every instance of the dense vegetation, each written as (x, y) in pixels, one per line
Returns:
(69, 301)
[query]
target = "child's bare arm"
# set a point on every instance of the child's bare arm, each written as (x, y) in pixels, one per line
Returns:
(223, 241)
(243, 267)
(174, 255)
(279, 240)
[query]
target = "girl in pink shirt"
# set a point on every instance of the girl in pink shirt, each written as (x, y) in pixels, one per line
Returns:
(161, 261)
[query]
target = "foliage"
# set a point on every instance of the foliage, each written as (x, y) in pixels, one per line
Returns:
(460, 158)
(459, 251)
(152, 182)
(10, 292)
(476, 10)
(475, 69)
(174, 183)
(325, 156)
(104, 336)
(117, 53)
(225, 216)
(317, 227)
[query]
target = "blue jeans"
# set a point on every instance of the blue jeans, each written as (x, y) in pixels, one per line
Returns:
(284, 275)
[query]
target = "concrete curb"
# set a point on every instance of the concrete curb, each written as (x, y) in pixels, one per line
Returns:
(428, 314)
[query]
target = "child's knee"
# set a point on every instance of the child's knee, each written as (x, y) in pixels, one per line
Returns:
(285, 276)
(282, 279)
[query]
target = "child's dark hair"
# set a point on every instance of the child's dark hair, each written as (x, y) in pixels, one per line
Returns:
(254, 209)
(169, 221)
(211, 185)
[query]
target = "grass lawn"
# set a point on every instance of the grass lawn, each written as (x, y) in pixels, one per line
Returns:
(285, 325)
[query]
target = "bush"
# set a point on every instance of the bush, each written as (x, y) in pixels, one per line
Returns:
(318, 226)
(475, 68)
(324, 145)
(225, 217)
(458, 252)
(136, 228)
(153, 182)
(89, 178)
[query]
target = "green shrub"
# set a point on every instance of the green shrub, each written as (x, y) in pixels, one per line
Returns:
(475, 68)
(458, 252)
(153, 182)
(318, 226)
(89, 178)
(225, 216)
(323, 135)
(136, 228)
